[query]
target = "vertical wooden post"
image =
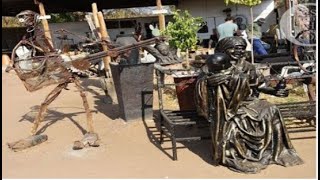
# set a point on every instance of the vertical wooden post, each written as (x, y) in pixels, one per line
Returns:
(162, 20)
(44, 22)
(104, 36)
(252, 54)
(95, 18)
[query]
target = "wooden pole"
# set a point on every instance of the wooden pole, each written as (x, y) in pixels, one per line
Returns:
(162, 20)
(104, 36)
(95, 18)
(252, 54)
(45, 23)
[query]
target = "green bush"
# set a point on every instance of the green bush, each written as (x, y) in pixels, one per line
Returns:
(183, 30)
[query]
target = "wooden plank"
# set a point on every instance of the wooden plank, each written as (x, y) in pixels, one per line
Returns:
(162, 20)
(92, 26)
(104, 36)
(45, 24)
(95, 18)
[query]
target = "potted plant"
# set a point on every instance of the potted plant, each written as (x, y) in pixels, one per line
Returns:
(182, 33)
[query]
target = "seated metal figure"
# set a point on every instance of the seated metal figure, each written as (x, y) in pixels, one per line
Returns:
(248, 134)
(163, 53)
(235, 48)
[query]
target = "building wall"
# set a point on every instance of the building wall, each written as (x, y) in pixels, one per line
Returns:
(80, 28)
(211, 11)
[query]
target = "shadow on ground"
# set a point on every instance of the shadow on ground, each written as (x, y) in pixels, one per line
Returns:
(201, 148)
(103, 103)
(53, 115)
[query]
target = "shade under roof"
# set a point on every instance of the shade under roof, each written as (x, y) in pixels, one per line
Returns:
(13, 7)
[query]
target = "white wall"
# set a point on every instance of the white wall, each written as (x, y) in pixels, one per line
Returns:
(211, 11)
(80, 28)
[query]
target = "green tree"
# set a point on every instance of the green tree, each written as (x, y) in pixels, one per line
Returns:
(10, 22)
(244, 2)
(183, 30)
(67, 17)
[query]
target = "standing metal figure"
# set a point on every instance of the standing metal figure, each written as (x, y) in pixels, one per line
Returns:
(38, 65)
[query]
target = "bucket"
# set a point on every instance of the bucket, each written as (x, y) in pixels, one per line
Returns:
(185, 88)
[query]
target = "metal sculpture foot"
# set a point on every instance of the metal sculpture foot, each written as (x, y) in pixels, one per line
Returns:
(27, 142)
(89, 139)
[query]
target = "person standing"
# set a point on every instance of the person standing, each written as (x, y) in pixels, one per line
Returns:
(227, 29)
(259, 47)
(213, 39)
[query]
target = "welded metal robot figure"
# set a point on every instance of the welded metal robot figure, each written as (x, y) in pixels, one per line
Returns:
(38, 65)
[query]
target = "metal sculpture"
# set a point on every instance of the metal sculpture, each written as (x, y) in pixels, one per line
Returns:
(163, 53)
(39, 65)
(247, 134)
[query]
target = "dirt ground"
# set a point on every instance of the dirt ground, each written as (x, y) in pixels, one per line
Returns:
(128, 150)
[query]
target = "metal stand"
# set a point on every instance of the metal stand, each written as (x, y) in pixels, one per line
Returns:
(170, 120)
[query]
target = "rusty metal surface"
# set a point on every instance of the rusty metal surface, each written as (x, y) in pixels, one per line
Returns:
(49, 71)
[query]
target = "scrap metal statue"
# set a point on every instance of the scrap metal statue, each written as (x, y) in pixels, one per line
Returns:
(247, 134)
(163, 53)
(39, 65)
(235, 48)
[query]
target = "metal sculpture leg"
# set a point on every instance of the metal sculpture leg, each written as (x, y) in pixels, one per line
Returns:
(50, 97)
(35, 139)
(90, 138)
(86, 106)
(311, 92)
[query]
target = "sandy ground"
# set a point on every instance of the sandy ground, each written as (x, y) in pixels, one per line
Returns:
(128, 150)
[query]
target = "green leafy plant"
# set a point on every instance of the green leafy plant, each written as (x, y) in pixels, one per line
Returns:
(244, 2)
(183, 30)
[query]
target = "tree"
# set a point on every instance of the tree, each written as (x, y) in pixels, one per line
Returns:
(183, 30)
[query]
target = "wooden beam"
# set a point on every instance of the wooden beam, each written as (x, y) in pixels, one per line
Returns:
(45, 23)
(162, 21)
(95, 18)
(104, 36)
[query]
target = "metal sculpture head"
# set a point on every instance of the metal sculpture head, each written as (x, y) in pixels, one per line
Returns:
(218, 62)
(234, 47)
(163, 48)
(28, 18)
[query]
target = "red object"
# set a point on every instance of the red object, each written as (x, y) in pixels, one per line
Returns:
(185, 87)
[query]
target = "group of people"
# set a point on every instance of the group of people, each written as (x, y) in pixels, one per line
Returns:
(231, 29)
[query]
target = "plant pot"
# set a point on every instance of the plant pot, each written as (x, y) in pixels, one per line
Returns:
(185, 88)
(134, 89)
